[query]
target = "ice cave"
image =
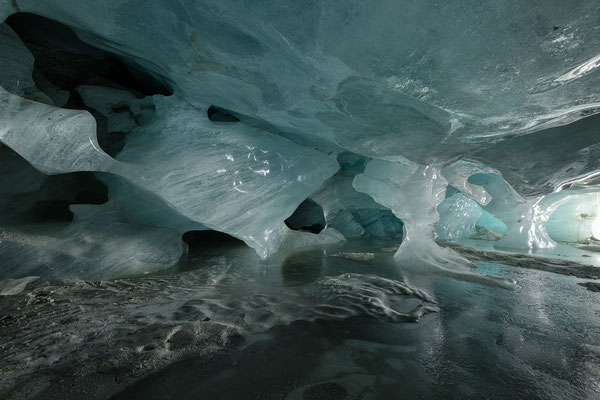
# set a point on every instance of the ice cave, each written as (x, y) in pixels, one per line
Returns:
(299, 199)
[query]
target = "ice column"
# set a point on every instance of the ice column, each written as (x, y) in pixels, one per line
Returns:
(413, 193)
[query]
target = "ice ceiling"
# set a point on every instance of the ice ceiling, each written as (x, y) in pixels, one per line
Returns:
(292, 123)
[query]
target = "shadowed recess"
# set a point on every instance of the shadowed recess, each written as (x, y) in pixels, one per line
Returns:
(307, 217)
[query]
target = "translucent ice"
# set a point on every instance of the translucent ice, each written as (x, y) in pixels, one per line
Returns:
(413, 193)
(332, 70)
(458, 218)
(228, 116)
(252, 180)
(353, 213)
(53, 140)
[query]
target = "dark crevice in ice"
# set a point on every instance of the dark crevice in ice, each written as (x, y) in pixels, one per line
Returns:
(63, 62)
(42, 198)
(216, 114)
(52, 201)
(66, 61)
(309, 216)
(352, 164)
(203, 241)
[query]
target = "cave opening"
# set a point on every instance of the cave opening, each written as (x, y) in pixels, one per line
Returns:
(39, 198)
(308, 217)
(60, 191)
(210, 241)
(63, 62)
(217, 114)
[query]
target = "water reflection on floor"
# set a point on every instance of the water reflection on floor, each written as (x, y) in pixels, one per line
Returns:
(316, 324)
(540, 341)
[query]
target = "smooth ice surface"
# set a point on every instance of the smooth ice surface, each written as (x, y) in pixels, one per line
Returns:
(458, 218)
(52, 139)
(576, 220)
(349, 104)
(454, 82)
(253, 179)
(363, 151)
(413, 193)
(353, 213)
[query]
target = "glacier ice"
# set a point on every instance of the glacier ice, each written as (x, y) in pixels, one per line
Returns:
(17, 62)
(15, 286)
(388, 129)
(413, 193)
(98, 244)
(55, 227)
(353, 213)
(52, 139)
(576, 219)
(458, 218)
(256, 178)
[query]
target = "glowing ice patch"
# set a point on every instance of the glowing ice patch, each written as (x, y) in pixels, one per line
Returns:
(581, 70)
(577, 179)
(262, 172)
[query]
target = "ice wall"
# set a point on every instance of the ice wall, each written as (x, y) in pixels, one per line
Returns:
(353, 213)
(414, 192)
(332, 69)
(354, 105)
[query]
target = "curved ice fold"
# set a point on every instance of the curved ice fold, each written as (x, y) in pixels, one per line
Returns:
(457, 174)
(214, 175)
(307, 84)
(581, 70)
(100, 243)
(578, 179)
(54, 140)
(397, 123)
(413, 193)
(248, 202)
(458, 218)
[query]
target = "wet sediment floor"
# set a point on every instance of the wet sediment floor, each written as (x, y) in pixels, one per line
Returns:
(340, 322)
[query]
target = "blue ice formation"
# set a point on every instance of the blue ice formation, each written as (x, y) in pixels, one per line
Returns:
(392, 119)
